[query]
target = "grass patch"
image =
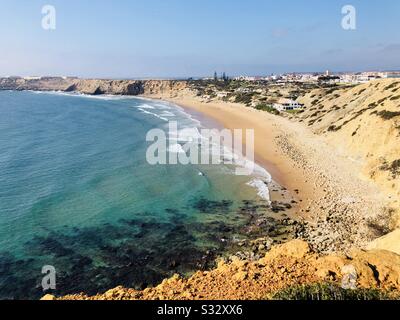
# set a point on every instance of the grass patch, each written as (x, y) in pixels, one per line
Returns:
(295, 111)
(393, 168)
(245, 98)
(328, 291)
(391, 86)
(361, 91)
(387, 115)
(333, 128)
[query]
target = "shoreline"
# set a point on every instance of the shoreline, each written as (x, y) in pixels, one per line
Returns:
(272, 161)
(335, 204)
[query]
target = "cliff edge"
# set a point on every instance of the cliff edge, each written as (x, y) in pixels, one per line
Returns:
(285, 266)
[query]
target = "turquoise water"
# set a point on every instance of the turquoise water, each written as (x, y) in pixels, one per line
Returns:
(77, 193)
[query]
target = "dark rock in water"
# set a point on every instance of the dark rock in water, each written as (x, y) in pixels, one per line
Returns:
(136, 252)
(212, 207)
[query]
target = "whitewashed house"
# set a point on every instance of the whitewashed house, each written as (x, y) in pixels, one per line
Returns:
(288, 105)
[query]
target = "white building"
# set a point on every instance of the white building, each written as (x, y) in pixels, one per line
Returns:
(288, 105)
(32, 78)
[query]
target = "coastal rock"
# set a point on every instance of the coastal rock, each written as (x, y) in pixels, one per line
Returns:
(295, 249)
(285, 266)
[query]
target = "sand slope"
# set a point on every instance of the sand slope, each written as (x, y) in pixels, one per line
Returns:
(364, 123)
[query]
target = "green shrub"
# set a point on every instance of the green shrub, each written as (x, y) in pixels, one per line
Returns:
(328, 291)
(245, 98)
(394, 168)
(266, 107)
(387, 115)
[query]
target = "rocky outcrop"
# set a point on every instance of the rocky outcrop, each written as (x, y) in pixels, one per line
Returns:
(43, 84)
(284, 266)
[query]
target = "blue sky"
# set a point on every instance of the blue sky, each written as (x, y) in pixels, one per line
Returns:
(181, 38)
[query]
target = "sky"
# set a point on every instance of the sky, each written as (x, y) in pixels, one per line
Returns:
(194, 38)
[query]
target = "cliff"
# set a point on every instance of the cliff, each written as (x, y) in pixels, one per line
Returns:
(285, 266)
(93, 86)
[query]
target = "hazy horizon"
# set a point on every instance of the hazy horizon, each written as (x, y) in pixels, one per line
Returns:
(180, 39)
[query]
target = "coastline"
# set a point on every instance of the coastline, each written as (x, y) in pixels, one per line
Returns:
(335, 204)
(335, 201)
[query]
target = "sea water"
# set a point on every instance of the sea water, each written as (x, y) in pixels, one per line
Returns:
(77, 193)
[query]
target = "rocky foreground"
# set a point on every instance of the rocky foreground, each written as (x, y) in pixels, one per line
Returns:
(286, 265)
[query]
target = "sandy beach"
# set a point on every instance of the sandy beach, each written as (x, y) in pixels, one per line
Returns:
(333, 198)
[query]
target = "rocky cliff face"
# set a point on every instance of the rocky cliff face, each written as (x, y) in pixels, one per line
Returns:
(44, 84)
(117, 87)
(94, 86)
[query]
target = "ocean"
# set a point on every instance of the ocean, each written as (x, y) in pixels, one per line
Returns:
(77, 193)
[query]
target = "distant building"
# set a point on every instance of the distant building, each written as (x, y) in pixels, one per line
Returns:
(329, 79)
(393, 74)
(32, 78)
(245, 78)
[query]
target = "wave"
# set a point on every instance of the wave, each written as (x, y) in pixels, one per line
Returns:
(84, 95)
(189, 131)
(153, 114)
(144, 106)
(262, 188)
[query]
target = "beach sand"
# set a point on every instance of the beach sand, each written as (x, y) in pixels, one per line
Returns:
(331, 194)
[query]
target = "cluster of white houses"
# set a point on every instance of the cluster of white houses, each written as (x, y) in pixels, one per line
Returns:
(327, 77)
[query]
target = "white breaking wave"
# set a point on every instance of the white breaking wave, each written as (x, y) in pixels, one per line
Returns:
(262, 187)
(144, 106)
(83, 95)
(153, 114)
(167, 114)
